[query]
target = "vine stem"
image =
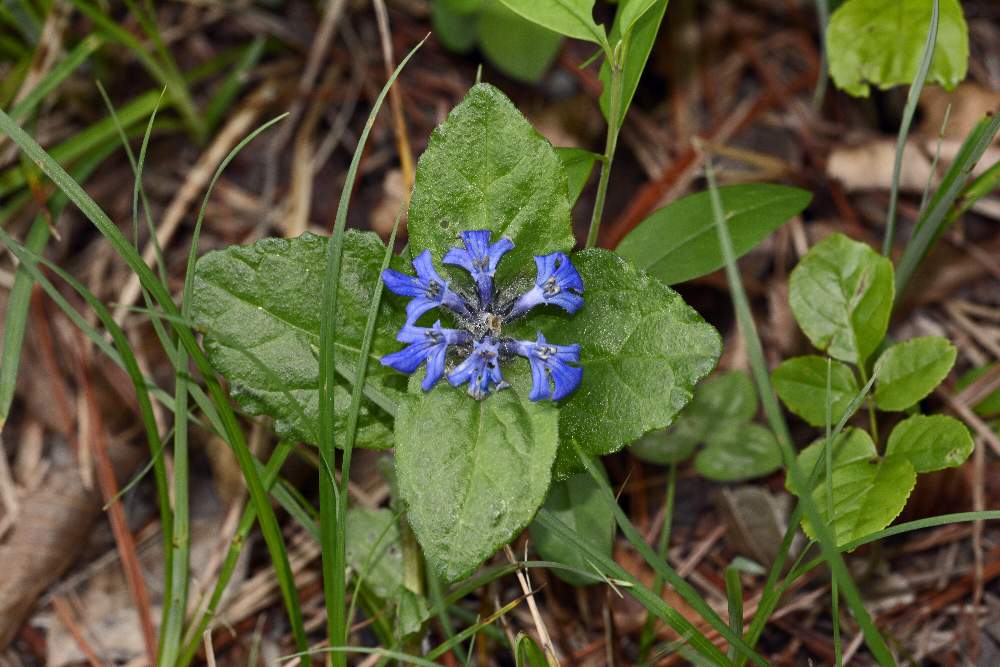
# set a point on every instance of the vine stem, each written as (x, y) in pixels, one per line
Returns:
(614, 126)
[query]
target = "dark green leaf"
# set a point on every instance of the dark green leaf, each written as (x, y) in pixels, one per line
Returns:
(485, 167)
(841, 295)
(264, 299)
(738, 454)
(930, 442)
(678, 242)
(527, 653)
(909, 371)
(578, 165)
(519, 48)
(472, 473)
(455, 29)
(801, 385)
(639, 44)
(573, 18)
(880, 43)
(577, 502)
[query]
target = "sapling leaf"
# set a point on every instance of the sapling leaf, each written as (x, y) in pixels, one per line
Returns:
(527, 653)
(637, 23)
(801, 385)
(930, 442)
(573, 18)
(578, 165)
(737, 454)
(454, 24)
(910, 370)
(869, 492)
(880, 43)
(841, 295)
(990, 405)
(487, 168)
(578, 503)
(678, 242)
(472, 473)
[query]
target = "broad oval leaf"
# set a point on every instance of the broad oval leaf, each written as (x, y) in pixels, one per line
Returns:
(909, 371)
(643, 349)
(578, 165)
(678, 242)
(868, 492)
(472, 473)
(455, 25)
(579, 504)
(573, 18)
(801, 385)
(373, 550)
(259, 306)
(486, 167)
(519, 48)
(841, 294)
(881, 42)
(930, 442)
(738, 454)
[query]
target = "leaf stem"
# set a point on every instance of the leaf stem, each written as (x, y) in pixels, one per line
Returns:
(614, 125)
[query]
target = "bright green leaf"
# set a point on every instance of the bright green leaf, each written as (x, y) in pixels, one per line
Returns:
(990, 405)
(630, 11)
(678, 242)
(373, 550)
(264, 300)
(930, 442)
(638, 45)
(801, 385)
(841, 294)
(472, 473)
(734, 455)
(527, 653)
(519, 48)
(880, 43)
(573, 18)
(578, 503)
(642, 351)
(485, 167)
(868, 492)
(578, 165)
(909, 371)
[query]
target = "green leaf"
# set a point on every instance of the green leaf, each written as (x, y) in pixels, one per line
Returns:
(373, 549)
(673, 445)
(841, 295)
(930, 442)
(990, 405)
(801, 385)
(472, 473)
(637, 22)
(485, 167)
(412, 613)
(868, 492)
(737, 454)
(455, 29)
(527, 653)
(909, 371)
(578, 503)
(678, 242)
(578, 165)
(264, 299)
(573, 18)
(880, 43)
(642, 351)
(519, 48)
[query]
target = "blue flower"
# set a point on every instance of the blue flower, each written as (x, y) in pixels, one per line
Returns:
(480, 259)
(425, 344)
(480, 369)
(557, 283)
(480, 343)
(428, 289)
(551, 375)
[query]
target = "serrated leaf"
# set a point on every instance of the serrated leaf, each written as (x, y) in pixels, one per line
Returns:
(841, 294)
(264, 300)
(737, 454)
(639, 38)
(578, 503)
(472, 473)
(869, 492)
(909, 371)
(578, 165)
(642, 351)
(881, 42)
(573, 18)
(990, 405)
(678, 242)
(519, 48)
(930, 442)
(801, 385)
(373, 548)
(486, 167)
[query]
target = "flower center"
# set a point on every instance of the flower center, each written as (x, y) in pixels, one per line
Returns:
(551, 287)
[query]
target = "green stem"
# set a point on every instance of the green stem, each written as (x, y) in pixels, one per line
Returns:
(648, 635)
(614, 125)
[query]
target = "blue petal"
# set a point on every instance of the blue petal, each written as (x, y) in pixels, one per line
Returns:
(428, 289)
(558, 283)
(552, 376)
(480, 369)
(425, 344)
(480, 258)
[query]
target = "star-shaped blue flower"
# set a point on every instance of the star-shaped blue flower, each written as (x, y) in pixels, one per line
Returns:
(479, 348)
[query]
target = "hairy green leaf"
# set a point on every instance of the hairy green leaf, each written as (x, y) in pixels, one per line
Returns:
(880, 43)
(737, 454)
(259, 306)
(573, 18)
(841, 295)
(801, 385)
(909, 371)
(578, 503)
(678, 242)
(485, 167)
(472, 473)
(930, 442)
(519, 48)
